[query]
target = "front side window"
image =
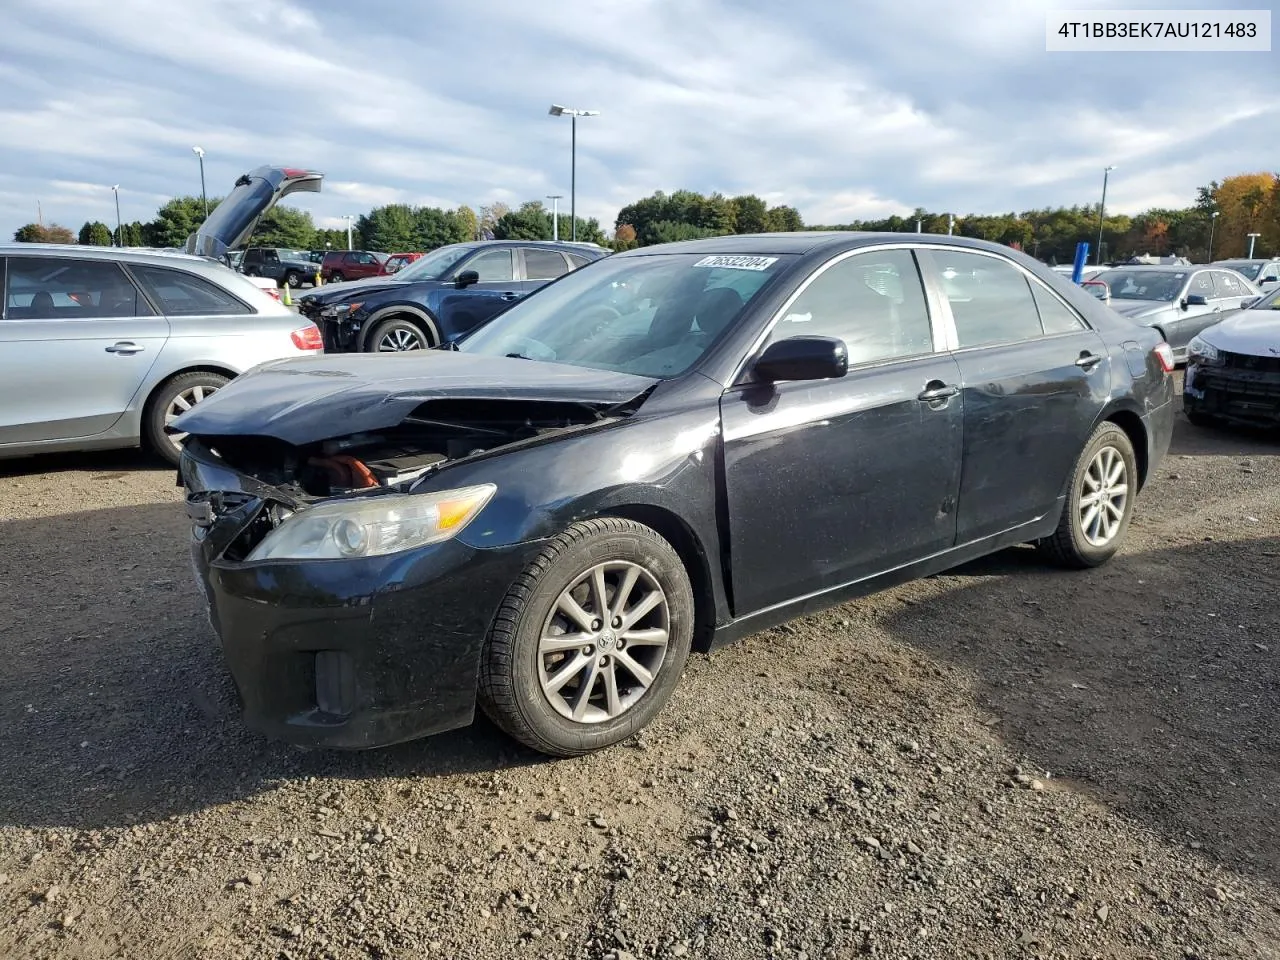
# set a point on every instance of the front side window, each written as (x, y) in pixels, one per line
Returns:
(1201, 283)
(1229, 286)
(62, 288)
(654, 316)
(494, 266)
(543, 264)
(873, 301)
(990, 299)
(184, 295)
(437, 264)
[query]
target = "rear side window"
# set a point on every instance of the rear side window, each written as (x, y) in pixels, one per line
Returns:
(543, 264)
(873, 301)
(64, 288)
(1229, 286)
(185, 295)
(576, 261)
(990, 299)
(1055, 316)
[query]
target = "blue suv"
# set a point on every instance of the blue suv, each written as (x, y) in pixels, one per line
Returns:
(440, 297)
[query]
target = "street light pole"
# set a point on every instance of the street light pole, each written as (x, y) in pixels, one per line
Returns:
(1213, 222)
(119, 227)
(555, 214)
(1102, 212)
(1252, 237)
(348, 217)
(203, 195)
(573, 114)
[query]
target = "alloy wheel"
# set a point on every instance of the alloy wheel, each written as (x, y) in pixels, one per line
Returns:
(1104, 496)
(604, 642)
(398, 339)
(180, 404)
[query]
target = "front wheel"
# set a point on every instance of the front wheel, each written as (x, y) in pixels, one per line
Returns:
(1100, 503)
(173, 399)
(397, 335)
(293, 279)
(589, 643)
(336, 277)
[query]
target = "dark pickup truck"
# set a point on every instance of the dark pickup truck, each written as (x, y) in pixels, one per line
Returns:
(286, 267)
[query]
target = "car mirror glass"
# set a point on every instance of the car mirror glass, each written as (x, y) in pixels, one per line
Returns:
(466, 278)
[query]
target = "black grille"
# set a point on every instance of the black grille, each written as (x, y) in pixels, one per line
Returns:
(1247, 361)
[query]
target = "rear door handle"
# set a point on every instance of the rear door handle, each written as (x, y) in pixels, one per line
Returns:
(125, 347)
(936, 390)
(1088, 360)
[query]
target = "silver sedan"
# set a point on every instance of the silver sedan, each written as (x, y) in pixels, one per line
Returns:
(102, 347)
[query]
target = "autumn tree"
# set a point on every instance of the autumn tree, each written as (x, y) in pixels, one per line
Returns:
(43, 233)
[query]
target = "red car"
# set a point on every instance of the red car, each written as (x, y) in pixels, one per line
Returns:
(339, 265)
(398, 261)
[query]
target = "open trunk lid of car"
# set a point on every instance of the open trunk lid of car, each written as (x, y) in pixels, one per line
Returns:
(232, 221)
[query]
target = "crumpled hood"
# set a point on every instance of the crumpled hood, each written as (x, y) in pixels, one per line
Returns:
(340, 292)
(1138, 309)
(1252, 332)
(309, 399)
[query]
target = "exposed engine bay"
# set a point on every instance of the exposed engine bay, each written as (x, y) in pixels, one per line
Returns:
(394, 459)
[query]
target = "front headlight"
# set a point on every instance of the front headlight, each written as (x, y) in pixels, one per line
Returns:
(1202, 351)
(342, 529)
(340, 310)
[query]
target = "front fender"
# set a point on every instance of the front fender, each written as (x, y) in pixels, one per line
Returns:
(413, 310)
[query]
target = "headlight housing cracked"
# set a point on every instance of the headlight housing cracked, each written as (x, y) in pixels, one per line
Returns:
(373, 526)
(1202, 351)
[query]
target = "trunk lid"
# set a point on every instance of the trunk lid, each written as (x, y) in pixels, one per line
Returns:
(232, 221)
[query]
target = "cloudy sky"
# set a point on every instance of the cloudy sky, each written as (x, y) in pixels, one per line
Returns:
(843, 110)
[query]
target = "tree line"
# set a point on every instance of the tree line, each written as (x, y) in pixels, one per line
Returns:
(1243, 204)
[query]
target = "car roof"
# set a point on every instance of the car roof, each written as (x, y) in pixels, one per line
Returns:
(1161, 267)
(1226, 263)
(807, 241)
(132, 254)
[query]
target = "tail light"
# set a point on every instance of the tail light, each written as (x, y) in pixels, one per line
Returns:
(307, 338)
(274, 295)
(1164, 353)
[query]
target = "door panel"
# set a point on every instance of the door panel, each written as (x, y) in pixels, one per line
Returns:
(1189, 319)
(74, 349)
(834, 481)
(465, 309)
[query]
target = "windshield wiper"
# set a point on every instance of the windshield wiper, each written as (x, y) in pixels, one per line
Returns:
(518, 356)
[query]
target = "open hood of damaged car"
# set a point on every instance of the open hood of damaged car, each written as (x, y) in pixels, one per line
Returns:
(310, 399)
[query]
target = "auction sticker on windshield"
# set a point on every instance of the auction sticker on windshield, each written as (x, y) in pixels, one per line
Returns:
(737, 263)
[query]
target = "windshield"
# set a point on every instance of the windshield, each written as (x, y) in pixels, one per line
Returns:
(654, 316)
(1143, 284)
(1269, 302)
(1250, 270)
(436, 264)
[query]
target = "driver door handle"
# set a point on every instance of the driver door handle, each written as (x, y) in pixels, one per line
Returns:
(125, 348)
(1088, 360)
(936, 390)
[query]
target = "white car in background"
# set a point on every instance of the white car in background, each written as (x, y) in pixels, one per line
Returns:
(1233, 367)
(104, 347)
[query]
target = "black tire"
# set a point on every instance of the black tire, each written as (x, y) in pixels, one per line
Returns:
(510, 690)
(398, 328)
(293, 279)
(336, 277)
(153, 417)
(1069, 546)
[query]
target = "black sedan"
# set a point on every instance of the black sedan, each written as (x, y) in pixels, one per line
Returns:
(660, 452)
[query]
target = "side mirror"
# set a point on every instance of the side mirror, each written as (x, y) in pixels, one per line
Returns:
(803, 358)
(1195, 300)
(1266, 280)
(1097, 288)
(466, 278)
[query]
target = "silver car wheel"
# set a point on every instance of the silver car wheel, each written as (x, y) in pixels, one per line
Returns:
(398, 339)
(1104, 496)
(180, 404)
(604, 642)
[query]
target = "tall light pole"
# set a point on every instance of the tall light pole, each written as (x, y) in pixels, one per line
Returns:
(119, 227)
(1102, 212)
(348, 217)
(558, 111)
(203, 195)
(1213, 222)
(555, 199)
(1252, 237)
(951, 223)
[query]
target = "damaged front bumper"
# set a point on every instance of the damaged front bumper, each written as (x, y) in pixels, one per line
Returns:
(1243, 390)
(351, 653)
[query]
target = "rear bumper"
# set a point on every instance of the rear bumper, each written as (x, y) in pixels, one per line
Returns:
(1238, 395)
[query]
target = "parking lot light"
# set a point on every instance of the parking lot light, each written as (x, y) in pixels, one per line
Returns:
(1102, 211)
(1213, 222)
(199, 152)
(1252, 237)
(555, 214)
(119, 226)
(573, 114)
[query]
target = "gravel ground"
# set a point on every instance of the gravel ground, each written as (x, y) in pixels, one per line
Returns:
(1004, 761)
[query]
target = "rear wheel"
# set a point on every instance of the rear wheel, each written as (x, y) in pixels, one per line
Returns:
(590, 641)
(293, 278)
(174, 398)
(336, 277)
(397, 335)
(1100, 503)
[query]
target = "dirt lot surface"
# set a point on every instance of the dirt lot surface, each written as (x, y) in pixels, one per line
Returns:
(1004, 761)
